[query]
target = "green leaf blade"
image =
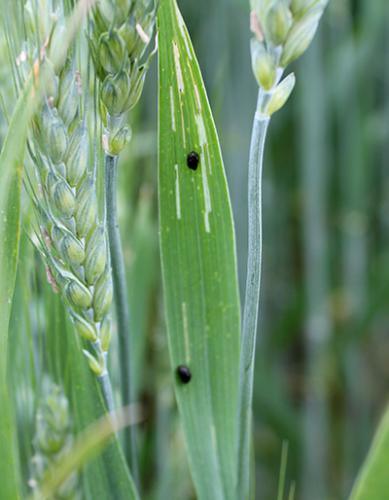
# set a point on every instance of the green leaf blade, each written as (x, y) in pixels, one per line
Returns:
(198, 263)
(373, 479)
(11, 170)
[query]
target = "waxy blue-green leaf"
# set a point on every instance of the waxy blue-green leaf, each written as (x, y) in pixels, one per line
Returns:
(198, 263)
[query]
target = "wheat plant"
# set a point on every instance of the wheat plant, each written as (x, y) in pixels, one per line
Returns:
(282, 31)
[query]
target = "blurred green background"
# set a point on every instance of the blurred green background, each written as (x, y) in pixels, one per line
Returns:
(322, 372)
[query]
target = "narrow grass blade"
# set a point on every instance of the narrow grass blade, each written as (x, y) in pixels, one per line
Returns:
(198, 263)
(373, 480)
(11, 168)
(283, 466)
(21, 359)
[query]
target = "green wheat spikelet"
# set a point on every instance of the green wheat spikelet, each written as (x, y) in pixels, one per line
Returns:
(121, 34)
(283, 30)
(72, 236)
(53, 438)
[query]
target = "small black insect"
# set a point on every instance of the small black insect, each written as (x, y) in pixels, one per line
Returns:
(183, 373)
(192, 160)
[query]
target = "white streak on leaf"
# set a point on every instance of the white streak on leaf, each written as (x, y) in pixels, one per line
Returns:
(172, 111)
(177, 189)
(198, 102)
(180, 80)
(204, 178)
(180, 85)
(201, 130)
(183, 128)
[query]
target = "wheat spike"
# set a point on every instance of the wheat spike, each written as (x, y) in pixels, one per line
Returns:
(72, 236)
(121, 35)
(53, 439)
(282, 33)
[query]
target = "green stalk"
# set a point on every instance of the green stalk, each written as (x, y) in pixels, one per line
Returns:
(251, 305)
(279, 38)
(121, 302)
(106, 388)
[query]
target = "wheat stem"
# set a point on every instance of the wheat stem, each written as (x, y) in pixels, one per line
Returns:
(121, 300)
(106, 389)
(253, 281)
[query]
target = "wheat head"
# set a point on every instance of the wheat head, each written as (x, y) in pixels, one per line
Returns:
(283, 30)
(53, 438)
(120, 38)
(71, 234)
